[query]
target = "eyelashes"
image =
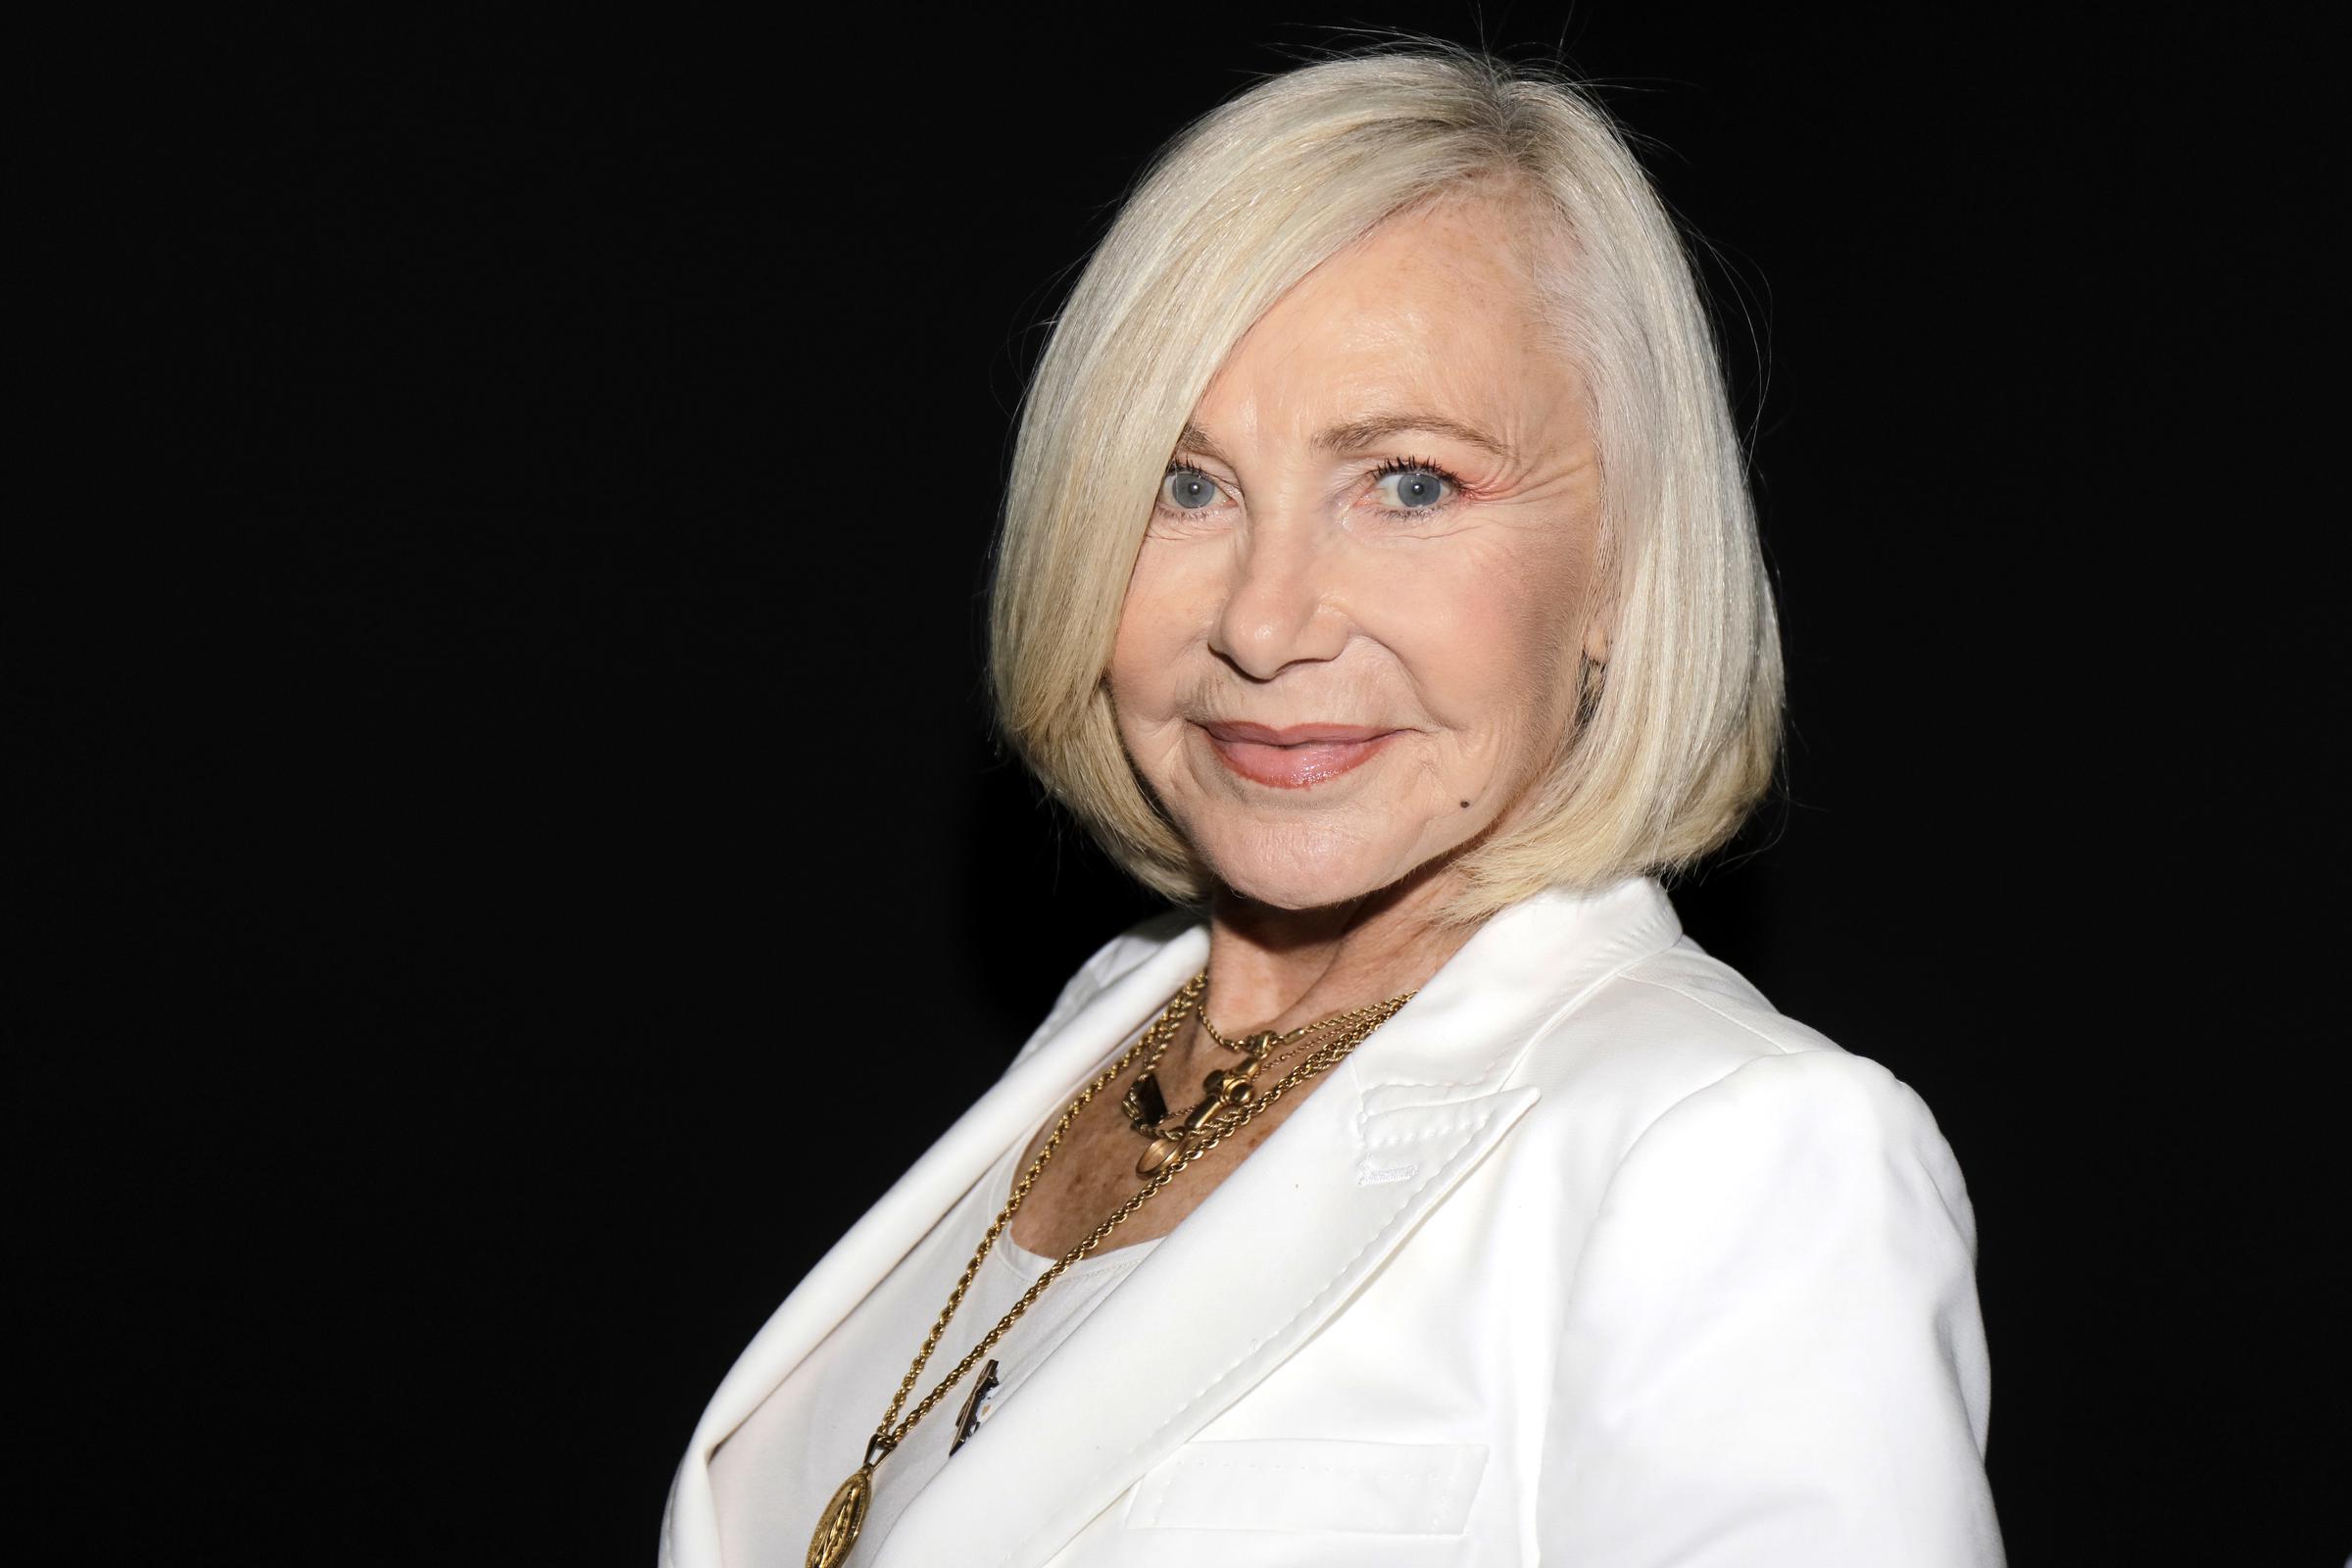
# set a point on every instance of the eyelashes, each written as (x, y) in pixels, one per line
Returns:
(1175, 467)
(1450, 489)
(1451, 486)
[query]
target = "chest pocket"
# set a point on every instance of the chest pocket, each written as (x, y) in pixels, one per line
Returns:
(1311, 1484)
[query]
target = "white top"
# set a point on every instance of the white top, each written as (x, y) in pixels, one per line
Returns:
(1588, 1255)
(774, 1476)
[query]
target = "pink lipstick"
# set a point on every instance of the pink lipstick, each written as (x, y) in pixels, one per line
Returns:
(1296, 758)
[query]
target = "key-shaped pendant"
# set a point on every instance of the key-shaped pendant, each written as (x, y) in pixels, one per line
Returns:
(1229, 1090)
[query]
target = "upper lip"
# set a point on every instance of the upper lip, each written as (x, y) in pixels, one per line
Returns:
(1226, 729)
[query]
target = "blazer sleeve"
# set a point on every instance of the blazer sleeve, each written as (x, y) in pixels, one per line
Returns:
(1773, 1352)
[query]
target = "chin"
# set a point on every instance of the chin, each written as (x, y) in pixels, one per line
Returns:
(1305, 868)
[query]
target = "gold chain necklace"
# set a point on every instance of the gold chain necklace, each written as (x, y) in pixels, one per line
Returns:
(1228, 1088)
(844, 1517)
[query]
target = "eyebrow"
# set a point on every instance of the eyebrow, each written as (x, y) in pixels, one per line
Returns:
(1356, 435)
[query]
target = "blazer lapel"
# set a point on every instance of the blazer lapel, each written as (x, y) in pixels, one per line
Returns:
(1282, 1243)
(1041, 1079)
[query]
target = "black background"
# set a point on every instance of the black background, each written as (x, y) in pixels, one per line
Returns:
(517, 865)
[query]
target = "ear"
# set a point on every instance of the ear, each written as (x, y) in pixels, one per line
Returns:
(1596, 633)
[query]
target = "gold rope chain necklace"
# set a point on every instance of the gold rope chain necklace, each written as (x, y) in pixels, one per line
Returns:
(845, 1516)
(1228, 1088)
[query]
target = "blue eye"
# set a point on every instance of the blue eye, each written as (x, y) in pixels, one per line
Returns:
(1417, 486)
(1187, 489)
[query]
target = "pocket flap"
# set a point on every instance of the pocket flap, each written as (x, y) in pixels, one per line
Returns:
(1311, 1484)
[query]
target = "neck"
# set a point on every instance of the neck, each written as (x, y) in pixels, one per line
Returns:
(1275, 968)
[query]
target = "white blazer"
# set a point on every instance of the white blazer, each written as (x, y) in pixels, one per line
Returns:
(1587, 1256)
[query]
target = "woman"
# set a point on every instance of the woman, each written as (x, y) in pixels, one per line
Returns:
(1378, 581)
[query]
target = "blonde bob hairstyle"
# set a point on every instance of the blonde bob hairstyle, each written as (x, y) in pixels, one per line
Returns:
(1678, 738)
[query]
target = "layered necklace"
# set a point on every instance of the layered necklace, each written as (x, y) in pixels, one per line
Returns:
(1230, 1090)
(1178, 1139)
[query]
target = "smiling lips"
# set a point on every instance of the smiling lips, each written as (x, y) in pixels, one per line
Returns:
(1297, 758)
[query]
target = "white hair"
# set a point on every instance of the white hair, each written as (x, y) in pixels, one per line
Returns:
(1676, 739)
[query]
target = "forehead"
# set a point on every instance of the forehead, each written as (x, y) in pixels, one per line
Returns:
(1438, 307)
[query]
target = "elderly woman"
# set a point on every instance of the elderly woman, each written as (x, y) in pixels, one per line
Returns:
(1378, 581)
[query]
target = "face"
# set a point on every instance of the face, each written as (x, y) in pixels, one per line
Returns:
(1353, 633)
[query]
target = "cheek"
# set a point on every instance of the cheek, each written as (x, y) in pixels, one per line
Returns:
(1155, 623)
(1491, 634)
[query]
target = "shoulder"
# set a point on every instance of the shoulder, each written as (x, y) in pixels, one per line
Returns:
(1676, 1018)
(1768, 1321)
(1678, 1057)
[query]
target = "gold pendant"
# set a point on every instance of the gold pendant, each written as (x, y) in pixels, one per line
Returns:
(1145, 1105)
(844, 1517)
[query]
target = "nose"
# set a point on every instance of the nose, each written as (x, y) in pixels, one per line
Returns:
(1279, 607)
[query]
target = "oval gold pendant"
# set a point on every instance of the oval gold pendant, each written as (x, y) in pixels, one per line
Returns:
(844, 1517)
